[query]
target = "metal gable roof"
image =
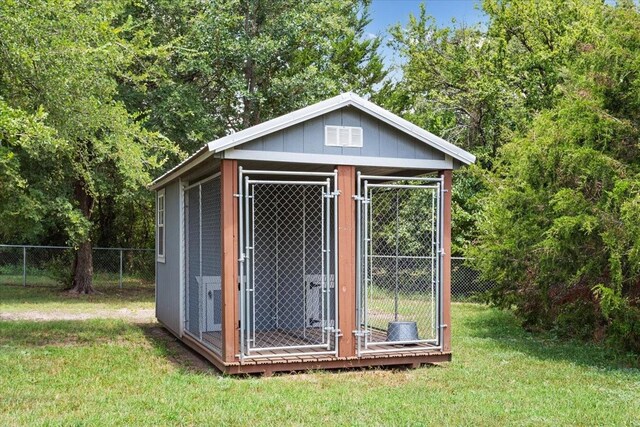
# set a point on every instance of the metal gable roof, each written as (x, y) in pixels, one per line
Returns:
(310, 112)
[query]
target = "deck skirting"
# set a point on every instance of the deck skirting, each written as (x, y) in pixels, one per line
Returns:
(289, 363)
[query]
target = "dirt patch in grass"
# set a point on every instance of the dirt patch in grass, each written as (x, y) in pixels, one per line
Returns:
(134, 316)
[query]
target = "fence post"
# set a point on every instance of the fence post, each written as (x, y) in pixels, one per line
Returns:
(120, 281)
(24, 266)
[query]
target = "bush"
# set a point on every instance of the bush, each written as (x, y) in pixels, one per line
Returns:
(559, 231)
(59, 268)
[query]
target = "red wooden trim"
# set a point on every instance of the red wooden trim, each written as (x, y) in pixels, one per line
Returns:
(346, 260)
(446, 260)
(229, 218)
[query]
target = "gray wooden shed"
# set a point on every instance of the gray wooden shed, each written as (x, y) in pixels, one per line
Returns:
(319, 239)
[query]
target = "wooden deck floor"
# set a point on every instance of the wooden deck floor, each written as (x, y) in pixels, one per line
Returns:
(411, 355)
(378, 336)
(282, 338)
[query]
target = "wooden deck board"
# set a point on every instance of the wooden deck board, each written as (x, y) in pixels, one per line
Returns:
(290, 359)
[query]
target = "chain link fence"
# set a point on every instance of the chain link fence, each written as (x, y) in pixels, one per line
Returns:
(466, 284)
(50, 266)
(119, 267)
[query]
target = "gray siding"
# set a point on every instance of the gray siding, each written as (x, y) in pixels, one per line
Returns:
(168, 300)
(380, 139)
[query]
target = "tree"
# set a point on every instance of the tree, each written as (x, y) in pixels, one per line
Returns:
(236, 63)
(60, 65)
(559, 229)
(479, 86)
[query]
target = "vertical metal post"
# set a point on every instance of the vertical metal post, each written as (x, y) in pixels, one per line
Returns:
(335, 261)
(24, 266)
(323, 254)
(248, 284)
(327, 201)
(358, 264)
(434, 254)
(367, 273)
(120, 277)
(440, 255)
(241, 260)
(252, 247)
(201, 288)
(395, 295)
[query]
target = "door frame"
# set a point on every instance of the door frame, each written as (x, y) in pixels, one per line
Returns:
(363, 186)
(328, 181)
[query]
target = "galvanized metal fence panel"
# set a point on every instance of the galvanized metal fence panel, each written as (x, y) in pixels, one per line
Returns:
(203, 266)
(50, 266)
(399, 262)
(288, 301)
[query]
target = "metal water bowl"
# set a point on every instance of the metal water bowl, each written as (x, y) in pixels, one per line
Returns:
(402, 331)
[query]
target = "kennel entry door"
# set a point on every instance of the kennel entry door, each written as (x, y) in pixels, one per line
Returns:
(399, 263)
(287, 291)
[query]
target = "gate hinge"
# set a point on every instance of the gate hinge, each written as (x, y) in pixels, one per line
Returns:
(332, 195)
(444, 325)
(361, 333)
(334, 330)
(238, 195)
(361, 199)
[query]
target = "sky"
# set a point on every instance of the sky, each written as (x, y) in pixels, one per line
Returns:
(385, 13)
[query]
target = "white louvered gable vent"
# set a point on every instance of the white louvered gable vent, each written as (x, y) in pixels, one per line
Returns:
(343, 136)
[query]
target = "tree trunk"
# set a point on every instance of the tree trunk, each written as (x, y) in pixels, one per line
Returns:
(83, 262)
(83, 270)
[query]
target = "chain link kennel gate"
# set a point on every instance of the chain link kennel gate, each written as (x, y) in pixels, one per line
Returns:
(399, 294)
(288, 258)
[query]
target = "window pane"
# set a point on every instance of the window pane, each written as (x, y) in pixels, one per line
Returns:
(161, 241)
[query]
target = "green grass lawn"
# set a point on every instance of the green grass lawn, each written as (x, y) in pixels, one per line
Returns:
(16, 298)
(105, 372)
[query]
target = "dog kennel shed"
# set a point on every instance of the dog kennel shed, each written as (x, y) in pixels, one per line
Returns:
(319, 239)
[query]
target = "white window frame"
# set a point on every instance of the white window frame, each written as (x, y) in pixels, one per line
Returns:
(161, 209)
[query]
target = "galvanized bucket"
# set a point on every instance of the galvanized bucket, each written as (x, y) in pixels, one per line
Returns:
(402, 331)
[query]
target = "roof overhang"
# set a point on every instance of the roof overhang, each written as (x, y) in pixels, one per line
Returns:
(344, 100)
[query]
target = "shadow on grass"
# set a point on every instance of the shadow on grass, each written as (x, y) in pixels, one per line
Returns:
(29, 335)
(18, 294)
(175, 351)
(503, 329)
(184, 358)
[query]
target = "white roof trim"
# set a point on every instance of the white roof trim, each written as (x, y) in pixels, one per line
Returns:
(174, 172)
(331, 104)
(315, 110)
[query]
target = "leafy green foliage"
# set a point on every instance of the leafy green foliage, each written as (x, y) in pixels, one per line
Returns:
(558, 230)
(68, 142)
(546, 94)
(236, 63)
